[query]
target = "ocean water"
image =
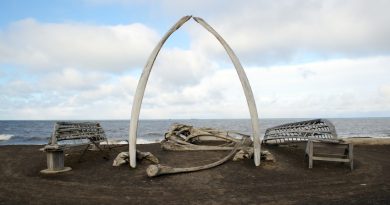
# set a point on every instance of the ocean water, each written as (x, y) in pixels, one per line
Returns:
(38, 132)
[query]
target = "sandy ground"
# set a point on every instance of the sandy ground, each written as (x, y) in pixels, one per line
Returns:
(288, 181)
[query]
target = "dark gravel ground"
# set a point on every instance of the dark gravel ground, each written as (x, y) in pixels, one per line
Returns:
(287, 181)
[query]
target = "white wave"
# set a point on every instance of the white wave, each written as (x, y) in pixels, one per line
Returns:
(147, 141)
(114, 141)
(139, 141)
(5, 137)
(154, 134)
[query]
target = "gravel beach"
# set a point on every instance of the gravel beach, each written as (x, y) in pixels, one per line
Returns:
(287, 181)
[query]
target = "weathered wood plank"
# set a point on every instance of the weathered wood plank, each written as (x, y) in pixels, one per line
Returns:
(330, 159)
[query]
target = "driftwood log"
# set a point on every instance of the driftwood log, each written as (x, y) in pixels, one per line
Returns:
(139, 94)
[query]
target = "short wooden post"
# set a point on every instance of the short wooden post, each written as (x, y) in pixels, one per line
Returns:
(350, 155)
(310, 149)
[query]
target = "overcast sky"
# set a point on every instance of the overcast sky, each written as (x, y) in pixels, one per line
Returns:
(81, 59)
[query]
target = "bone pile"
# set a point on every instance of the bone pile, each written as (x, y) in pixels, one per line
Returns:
(182, 137)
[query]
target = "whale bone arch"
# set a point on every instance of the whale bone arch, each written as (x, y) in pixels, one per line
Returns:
(139, 94)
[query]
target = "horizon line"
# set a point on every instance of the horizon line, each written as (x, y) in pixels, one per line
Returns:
(151, 119)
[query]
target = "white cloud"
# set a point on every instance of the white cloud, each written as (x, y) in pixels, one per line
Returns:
(87, 99)
(72, 79)
(265, 32)
(176, 68)
(332, 89)
(48, 46)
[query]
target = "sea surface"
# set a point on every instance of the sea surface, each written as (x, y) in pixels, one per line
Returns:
(149, 131)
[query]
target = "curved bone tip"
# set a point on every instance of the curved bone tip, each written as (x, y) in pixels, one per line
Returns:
(197, 19)
(186, 17)
(152, 170)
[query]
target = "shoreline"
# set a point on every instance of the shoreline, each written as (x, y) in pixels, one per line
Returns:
(367, 140)
(354, 140)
